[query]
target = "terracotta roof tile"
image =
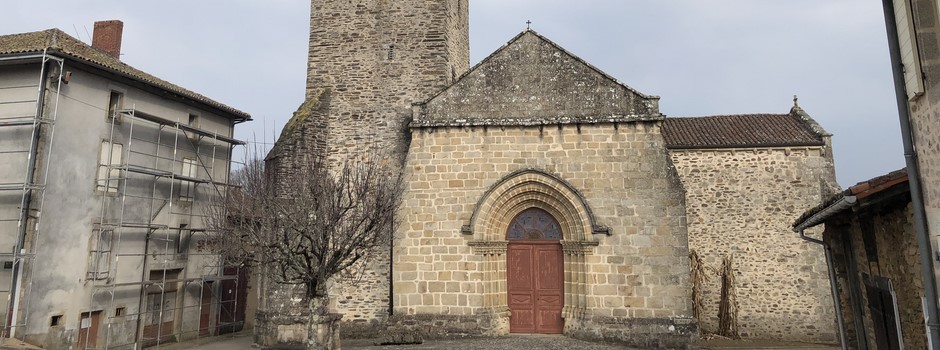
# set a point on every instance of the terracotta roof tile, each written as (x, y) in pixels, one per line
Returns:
(874, 188)
(746, 130)
(57, 41)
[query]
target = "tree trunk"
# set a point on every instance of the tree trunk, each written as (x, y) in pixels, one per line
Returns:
(323, 326)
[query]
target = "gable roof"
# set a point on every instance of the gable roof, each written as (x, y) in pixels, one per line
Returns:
(533, 81)
(55, 41)
(743, 131)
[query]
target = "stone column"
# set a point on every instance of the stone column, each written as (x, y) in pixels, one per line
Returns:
(495, 303)
(575, 279)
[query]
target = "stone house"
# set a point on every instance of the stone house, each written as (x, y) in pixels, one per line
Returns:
(106, 178)
(915, 60)
(544, 196)
(887, 246)
(869, 232)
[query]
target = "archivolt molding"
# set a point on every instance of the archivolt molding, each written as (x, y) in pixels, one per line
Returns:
(526, 188)
(518, 191)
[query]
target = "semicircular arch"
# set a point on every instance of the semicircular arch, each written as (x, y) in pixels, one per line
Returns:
(527, 188)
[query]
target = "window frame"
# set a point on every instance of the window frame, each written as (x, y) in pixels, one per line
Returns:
(108, 175)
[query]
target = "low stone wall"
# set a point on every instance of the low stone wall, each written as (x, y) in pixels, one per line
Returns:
(646, 333)
(427, 325)
(650, 333)
(281, 331)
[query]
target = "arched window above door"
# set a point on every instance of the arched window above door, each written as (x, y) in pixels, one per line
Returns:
(534, 224)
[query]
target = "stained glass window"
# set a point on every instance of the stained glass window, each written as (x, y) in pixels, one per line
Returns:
(534, 223)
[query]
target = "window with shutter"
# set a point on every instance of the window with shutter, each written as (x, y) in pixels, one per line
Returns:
(913, 76)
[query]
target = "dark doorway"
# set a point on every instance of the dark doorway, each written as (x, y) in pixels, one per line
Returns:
(233, 294)
(884, 314)
(535, 273)
(205, 310)
(88, 330)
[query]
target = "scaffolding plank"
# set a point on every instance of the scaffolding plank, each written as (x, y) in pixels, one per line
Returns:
(163, 282)
(12, 187)
(135, 113)
(210, 134)
(190, 179)
(134, 225)
(16, 123)
(18, 117)
(148, 171)
(162, 173)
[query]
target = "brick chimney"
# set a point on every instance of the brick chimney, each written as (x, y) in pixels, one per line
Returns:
(107, 37)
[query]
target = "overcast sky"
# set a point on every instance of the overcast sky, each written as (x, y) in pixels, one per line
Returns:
(702, 57)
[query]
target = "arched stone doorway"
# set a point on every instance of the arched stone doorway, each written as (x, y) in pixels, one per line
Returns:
(489, 225)
(535, 274)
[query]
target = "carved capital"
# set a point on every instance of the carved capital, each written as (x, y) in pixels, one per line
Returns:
(489, 247)
(578, 247)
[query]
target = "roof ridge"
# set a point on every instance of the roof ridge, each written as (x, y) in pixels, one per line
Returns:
(804, 118)
(731, 115)
(67, 46)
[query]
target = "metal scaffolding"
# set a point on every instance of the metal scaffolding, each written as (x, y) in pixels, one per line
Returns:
(32, 154)
(155, 202)
(152, 275)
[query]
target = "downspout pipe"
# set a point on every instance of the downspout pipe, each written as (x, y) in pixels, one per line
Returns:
(843, 204)
(832, 285)
(913, 172)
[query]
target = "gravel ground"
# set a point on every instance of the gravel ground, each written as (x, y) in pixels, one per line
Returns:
(243, 341)
(526, 342)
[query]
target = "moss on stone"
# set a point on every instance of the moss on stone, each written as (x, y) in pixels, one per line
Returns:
(296, 122)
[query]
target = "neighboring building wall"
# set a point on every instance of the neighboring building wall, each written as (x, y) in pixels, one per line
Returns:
(74, 208)
(924, 100)
(640, 270)
(740, 204)
(890, 252)
(18, 95)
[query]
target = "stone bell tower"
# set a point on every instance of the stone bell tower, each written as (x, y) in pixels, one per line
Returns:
(369, 60)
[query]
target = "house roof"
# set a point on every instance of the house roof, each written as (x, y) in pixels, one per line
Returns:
(746, 130)
(533, 81)
(871, 190)
(58, 42)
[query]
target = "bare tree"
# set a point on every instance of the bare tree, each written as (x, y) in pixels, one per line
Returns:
(310, 223)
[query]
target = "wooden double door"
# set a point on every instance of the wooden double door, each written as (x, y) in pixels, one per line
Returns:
(535, 274)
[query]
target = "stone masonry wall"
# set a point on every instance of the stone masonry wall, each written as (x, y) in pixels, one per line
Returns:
(378, 57)
(640, 270)
(369, 60)
(895, 258)
(741, 203)
(925, 111)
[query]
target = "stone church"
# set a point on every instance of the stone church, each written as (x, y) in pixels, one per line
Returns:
(544, 196)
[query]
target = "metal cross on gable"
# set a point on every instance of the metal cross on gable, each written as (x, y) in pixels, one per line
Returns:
(528, 25)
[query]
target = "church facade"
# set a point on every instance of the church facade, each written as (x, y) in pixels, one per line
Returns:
(544, 196)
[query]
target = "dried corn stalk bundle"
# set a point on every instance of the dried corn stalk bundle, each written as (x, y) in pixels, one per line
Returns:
(728, 307)
(699, 277)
